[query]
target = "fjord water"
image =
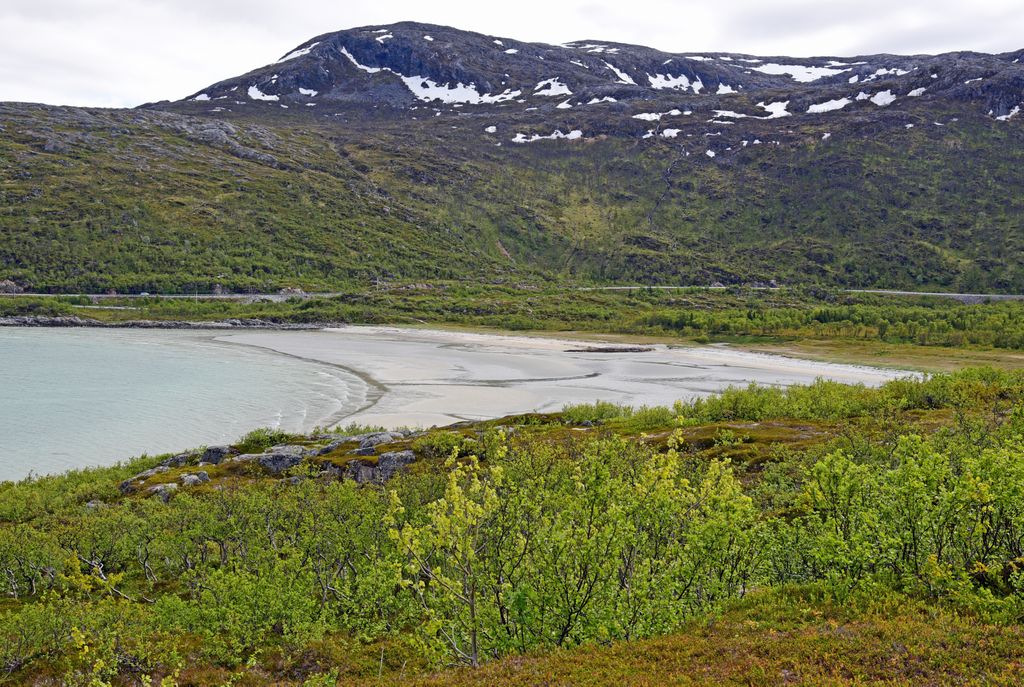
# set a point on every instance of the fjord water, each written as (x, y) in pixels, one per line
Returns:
(73, 398)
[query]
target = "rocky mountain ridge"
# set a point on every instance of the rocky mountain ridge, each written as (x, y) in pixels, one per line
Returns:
(422, 67)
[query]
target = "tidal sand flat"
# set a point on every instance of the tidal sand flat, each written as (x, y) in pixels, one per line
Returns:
(421, 378)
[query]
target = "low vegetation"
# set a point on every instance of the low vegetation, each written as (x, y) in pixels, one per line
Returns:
(822, 534)
(926, 333)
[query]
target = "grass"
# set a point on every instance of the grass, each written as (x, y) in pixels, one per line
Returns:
(900, 356)
(771, 638)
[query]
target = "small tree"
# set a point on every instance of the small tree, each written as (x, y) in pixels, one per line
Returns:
(444, 569)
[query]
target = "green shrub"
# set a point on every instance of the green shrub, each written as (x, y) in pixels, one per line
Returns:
(259, 440)
(601, 411)
(443, 444)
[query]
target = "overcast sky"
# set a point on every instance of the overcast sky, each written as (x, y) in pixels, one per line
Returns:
(126, 52)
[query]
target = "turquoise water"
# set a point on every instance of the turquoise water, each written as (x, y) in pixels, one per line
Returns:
(73, 398)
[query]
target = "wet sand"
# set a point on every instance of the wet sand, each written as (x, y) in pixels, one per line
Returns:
(423, 378)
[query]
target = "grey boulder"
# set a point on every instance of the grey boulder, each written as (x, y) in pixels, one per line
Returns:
(194, 480)
(280, 458)
(163, 491)
(388, 465)
(371, 440)
(215, 455)
(334, 445)
(362, 473)
(133, 483)
(178, 460)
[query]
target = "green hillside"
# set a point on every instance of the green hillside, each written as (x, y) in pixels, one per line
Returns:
(93, 200)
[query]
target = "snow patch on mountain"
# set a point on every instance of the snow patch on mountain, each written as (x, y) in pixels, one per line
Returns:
(679, 83)
(428, 90)
(1007, 117)
(829, 106)
(574, 135)
(656, 116)
(256, 94)
(369, 70)
(798, 72)
(775, 110)
(624, 78)
(552, 87)
(298, 53)
(893, 71)
(883, 98)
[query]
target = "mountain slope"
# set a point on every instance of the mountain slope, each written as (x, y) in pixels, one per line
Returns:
(416, 151)
(410, 64)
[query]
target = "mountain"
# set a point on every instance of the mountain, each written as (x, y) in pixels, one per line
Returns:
(416, 151)
(411, 66)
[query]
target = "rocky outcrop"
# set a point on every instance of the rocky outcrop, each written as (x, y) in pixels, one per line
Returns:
(162, 491)
(390, 464)
(387, 466)
(132, 484)
(214, 455)
(194, 480)
(360, 472)
(334, 446)
(277, 460)
(179, 460)
(223, 135)
(280, 458)
(377, 438)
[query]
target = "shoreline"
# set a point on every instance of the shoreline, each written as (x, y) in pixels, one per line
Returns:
(438, 377)
(414, 377)
(372, 398)
(44, 321)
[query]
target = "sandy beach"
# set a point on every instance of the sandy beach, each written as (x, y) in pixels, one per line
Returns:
(423, 378)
